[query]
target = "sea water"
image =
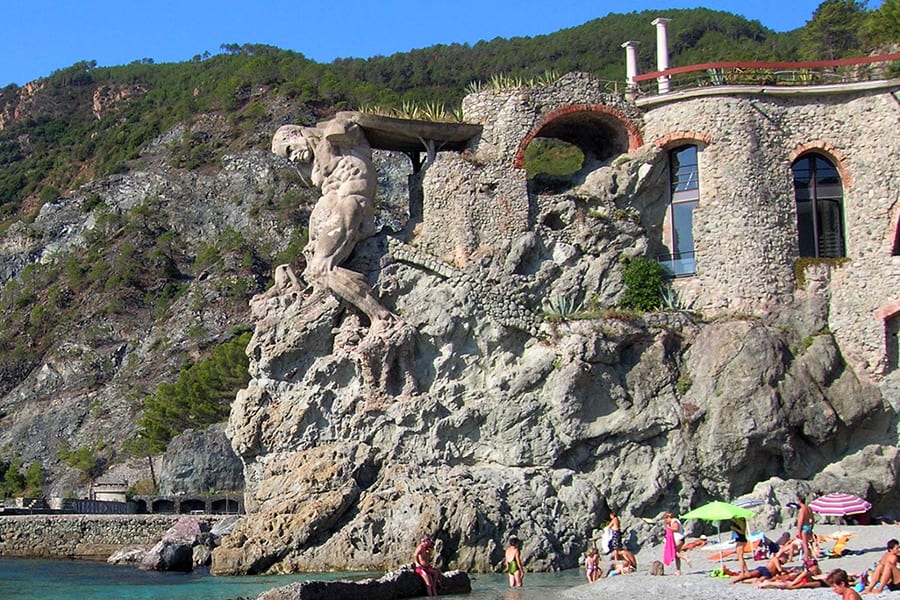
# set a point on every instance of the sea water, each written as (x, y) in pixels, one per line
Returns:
(37, 579)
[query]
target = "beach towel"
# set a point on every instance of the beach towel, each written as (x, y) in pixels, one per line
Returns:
(669, 547)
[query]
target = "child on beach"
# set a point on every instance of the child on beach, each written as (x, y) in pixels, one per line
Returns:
(592, 565)
(514, 567)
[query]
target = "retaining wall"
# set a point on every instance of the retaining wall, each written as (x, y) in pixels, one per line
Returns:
(93, 537)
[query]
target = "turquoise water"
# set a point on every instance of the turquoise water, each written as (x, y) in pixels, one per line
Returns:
(34, 579)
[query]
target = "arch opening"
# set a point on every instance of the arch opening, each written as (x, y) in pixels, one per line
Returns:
(566, 145)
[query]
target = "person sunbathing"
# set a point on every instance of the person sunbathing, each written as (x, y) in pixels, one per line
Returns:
(699, 542)
(887, 572)
(772, 569)
(809, 577)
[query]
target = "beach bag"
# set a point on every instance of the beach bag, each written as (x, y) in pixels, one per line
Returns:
(657, 568)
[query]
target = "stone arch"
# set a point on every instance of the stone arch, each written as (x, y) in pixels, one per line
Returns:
(677, 138)
(600, 131)
(831, 153)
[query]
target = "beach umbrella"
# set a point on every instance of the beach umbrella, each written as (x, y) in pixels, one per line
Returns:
(839, 505)
(718, 511)
(747, 502)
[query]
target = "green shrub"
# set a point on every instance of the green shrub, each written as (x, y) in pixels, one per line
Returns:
(643, 279)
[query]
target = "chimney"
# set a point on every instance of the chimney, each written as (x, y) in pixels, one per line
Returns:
(662, 52)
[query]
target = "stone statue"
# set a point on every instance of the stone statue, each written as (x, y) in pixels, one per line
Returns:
(336, 157)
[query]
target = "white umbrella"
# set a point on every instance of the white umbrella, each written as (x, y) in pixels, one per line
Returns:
(747, 502)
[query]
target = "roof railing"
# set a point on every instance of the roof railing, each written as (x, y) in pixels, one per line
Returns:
(748, 73)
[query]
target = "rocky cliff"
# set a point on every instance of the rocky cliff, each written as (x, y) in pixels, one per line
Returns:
(497, 411)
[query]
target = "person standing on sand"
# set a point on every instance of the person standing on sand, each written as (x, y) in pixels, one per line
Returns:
(840, 585)
(422, 561)
(514, 567)
(592, 565)
(739, 535)
(615, 540)
(805, 526)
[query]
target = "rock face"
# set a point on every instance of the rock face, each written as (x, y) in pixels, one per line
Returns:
(200, 462)
(506, 432)
(514, 401)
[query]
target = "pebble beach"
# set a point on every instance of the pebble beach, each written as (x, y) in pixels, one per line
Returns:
(866, 546)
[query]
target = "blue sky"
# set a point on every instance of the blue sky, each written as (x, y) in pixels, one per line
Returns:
(38, 37)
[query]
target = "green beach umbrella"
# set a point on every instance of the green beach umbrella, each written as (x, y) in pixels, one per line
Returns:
(718, 511)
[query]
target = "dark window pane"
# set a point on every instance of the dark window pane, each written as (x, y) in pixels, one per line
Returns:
(819, 196)
(806, 233)
(683, 165)
(831, 240)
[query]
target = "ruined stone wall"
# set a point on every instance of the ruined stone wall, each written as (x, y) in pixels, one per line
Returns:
(479, 201)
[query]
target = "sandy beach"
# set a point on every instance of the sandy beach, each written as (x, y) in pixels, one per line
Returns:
(866, 546)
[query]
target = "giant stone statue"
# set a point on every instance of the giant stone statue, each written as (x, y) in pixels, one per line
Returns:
(336, 157)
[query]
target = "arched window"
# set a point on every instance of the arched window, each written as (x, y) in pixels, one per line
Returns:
(820, 211)
(684, 188)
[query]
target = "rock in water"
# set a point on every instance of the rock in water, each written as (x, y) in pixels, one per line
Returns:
(403, 583)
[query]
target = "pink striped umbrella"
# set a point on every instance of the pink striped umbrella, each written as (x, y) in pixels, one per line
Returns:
(839, 504)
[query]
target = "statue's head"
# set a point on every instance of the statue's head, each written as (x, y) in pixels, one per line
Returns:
(294, 143)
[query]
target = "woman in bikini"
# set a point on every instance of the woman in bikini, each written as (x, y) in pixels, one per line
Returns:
(514, 567)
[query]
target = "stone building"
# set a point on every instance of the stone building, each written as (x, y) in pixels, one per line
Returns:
(766, 188)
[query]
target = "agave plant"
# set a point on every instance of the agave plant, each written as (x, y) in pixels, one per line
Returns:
(433, 111)
(475, 87)
(562, 306)
(545, 78)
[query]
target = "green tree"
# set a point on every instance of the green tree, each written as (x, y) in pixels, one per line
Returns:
(201, 395)
(834, 30)
(88, 460)
(14, 480)
(34, 479)
(882, 26)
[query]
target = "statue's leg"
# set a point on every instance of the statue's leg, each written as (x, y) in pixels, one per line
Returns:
(352, 287)
(338, 226)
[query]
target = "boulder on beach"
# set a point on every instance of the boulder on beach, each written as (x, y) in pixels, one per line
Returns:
(175, 551)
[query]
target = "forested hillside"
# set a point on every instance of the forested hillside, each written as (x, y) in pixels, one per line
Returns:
(144, 269)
